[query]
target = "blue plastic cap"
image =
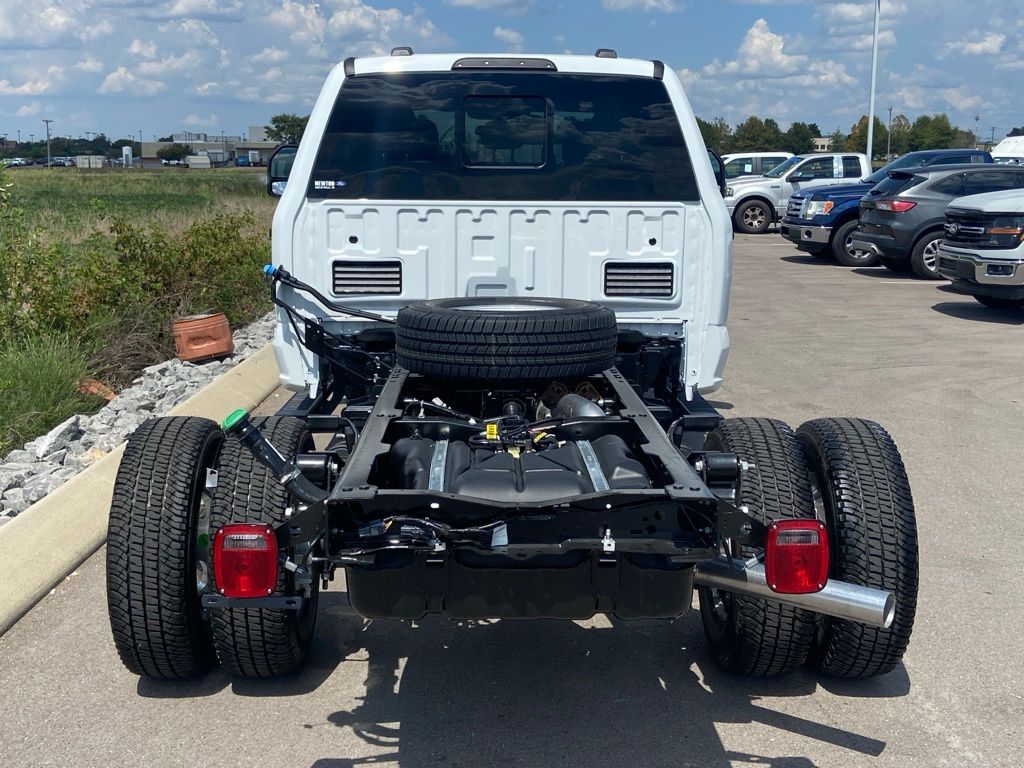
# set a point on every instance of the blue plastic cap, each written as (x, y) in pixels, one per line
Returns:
(269, 270)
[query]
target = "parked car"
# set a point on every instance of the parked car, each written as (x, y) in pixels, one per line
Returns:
(241, 161)
(982, 250)
(822, 221)
(739, 164)
(523, 439)
(757, 201)
(18, 162)
(902, 218)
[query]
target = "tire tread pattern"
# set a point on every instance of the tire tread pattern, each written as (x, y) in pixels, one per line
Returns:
(770, 638)
(874, 539)
(577, 339)
(256, 642)
(152, 601)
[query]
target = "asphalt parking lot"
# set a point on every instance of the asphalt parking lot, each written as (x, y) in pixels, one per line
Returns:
(809, 339)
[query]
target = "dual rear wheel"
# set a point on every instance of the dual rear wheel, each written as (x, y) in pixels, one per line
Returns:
(180, 479)
(848, 473)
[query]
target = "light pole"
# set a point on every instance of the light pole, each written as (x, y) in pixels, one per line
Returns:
(888, 140)
(47, 121)
(142, 163)
(874, 75)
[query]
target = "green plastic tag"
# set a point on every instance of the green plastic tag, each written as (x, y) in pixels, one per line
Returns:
(233, 418)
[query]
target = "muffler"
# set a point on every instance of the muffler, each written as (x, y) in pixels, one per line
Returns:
(865, 605)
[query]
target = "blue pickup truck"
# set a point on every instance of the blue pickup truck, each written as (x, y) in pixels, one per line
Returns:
(822, 221)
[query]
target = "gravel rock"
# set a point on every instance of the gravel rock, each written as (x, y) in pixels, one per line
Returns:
(29, 474)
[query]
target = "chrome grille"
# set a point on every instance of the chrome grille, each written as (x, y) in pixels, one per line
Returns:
(640, 279)
(795, 208)
(969, 228)
(374, 277)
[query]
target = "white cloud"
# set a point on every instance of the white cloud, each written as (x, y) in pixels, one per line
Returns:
(186, 62)
(963, 99)
(200, 9)
(123, 81)
(270, 56)
(199, 121)
(89, 64)
(143, 50)
(847, 13)
(28, 110)
(489, 5)
(510, 38)
(192, 32)
(639, 5)
(990, 44)
(762, 79)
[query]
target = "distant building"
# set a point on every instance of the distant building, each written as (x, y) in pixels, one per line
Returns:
(823, 144)
(219, 150)
(258, 133)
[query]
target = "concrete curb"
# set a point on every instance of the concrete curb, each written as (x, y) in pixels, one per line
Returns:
(55, 535)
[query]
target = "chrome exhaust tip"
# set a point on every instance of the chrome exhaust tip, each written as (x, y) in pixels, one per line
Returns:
(865, 605)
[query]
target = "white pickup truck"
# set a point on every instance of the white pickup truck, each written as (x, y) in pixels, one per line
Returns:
(755, 202)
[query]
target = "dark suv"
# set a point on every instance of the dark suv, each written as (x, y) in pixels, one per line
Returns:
(901, 219)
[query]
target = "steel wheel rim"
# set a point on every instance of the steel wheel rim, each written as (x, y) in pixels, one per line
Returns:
(930, 255)
(754, 217)
(854, 253)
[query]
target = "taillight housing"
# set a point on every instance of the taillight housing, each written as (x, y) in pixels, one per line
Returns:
(895, 206)
(796, 556)
(245, 560)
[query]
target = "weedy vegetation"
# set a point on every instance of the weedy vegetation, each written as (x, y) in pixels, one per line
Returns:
(95, 265)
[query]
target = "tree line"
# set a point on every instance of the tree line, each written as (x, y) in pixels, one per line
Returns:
(761, 135)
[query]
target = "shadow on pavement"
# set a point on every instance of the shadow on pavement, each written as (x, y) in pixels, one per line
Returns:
(974, 311)
(337, 637)
(808, 259)
(888, 274)
(545, 693)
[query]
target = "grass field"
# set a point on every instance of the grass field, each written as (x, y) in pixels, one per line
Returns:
(94, 265)
(69, 203)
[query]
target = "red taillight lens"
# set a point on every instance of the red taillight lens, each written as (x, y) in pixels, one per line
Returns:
(796, 556)
(245, 560)
(896, 206)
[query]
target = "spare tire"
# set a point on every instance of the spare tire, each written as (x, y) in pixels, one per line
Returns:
(505, 338)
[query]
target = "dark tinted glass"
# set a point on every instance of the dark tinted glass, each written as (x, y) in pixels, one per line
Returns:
(979, 182)
(851, 168)
(767, 163)
(895, 183)
(951, 185)
(503, 136)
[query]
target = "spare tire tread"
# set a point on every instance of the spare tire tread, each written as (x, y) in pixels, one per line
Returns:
(573, 338)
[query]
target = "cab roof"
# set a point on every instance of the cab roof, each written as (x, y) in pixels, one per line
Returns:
(447, 62)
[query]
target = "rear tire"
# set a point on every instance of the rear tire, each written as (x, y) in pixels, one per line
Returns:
(749, 636)
(259, 642)
(873, 538)
(152, 590)
(924, 259)
(753, 217)
(842, 251)
(996, 303)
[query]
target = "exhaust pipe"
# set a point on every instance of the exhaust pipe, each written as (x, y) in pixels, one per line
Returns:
(865, 605)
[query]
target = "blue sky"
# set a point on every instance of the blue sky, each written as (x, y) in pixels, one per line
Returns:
(158, 66)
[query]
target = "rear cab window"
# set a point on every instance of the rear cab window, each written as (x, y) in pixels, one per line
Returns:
(851, 167)
(492, 135)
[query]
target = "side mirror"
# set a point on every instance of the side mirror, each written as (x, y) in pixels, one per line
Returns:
(718, 168)
(279, 168)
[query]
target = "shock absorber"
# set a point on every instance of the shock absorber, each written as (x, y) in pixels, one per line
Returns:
(287, 473)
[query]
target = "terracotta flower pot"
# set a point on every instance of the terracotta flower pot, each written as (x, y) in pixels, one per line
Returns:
(202, 337)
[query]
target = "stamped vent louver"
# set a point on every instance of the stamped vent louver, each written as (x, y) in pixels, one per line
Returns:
(652, 280)
(368, 277)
